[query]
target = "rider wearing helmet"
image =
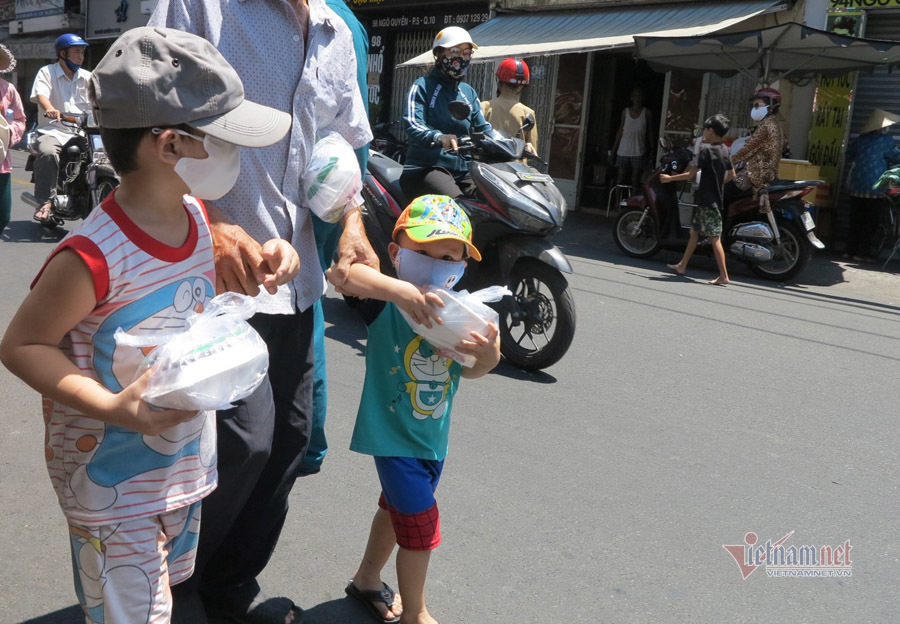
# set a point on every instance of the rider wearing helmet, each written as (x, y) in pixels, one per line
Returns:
(505, 113)
(59, 88)
(431, 130)
(762, 151)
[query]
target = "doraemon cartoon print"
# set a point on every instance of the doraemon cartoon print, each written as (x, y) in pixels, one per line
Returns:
(102, 467)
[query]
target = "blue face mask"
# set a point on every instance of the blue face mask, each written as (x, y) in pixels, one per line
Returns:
(422, 270)
(72, 66)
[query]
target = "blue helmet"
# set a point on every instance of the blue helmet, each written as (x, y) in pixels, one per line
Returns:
(69, 40)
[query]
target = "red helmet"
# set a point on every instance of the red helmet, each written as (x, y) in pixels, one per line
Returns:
(513, 71)
(772, 97)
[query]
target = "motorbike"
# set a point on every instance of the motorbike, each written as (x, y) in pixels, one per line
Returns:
(85, 176)
(385, 141)
(514, 209)
(776, 246)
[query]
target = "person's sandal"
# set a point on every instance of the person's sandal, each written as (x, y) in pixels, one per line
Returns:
(43, 214)
(368, 597)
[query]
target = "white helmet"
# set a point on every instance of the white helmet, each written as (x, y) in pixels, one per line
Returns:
(452, 36)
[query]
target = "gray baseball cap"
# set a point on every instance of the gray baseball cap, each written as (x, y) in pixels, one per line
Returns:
(165, 77)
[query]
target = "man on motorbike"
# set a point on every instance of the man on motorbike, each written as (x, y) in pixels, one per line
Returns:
(762, 151)
(59, 88)
(505, 112)
(433, 132)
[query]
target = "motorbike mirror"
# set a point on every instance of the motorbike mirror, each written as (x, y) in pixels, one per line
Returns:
(459, 109)
(528, 123)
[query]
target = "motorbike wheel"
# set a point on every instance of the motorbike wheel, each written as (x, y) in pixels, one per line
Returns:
(793, 256)
(637, 242)
(537, 328)
(105, 186)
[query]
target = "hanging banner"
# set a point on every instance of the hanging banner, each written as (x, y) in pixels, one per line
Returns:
(831, 113)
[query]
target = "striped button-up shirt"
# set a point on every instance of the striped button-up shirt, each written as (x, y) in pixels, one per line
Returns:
(313, 80)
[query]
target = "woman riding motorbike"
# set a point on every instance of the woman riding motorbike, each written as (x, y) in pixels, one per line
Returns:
(429, 124)
(762, 151)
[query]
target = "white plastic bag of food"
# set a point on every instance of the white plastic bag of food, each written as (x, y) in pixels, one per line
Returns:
(462, 314)
(332, 179)
(217, 360)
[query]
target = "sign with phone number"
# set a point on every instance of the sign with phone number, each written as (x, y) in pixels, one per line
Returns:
(865, 4)
(430, 20)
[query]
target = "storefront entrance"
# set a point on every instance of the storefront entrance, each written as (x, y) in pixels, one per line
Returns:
(611, 82)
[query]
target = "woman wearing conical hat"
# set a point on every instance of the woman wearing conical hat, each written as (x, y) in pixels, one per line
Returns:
(870, 154)
(12, 128)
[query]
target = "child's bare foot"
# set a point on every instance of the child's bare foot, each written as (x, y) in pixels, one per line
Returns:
(383, 600)
(422, 618)
(676, 268)
(720, 281)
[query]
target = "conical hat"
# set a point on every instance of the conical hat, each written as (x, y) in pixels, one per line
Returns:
(879, 119)
(7, 60)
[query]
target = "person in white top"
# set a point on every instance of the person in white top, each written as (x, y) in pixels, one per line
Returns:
(631, 149)
(59, 88)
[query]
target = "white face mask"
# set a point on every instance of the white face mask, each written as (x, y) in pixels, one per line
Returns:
(758, 114)
(213, 176)
(423, 270)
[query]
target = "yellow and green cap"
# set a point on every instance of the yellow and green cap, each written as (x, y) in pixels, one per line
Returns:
(436, 217)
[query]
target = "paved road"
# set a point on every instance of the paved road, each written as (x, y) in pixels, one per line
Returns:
(602, 490)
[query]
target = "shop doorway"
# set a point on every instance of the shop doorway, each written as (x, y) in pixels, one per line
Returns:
(613, 77)
(573, 95)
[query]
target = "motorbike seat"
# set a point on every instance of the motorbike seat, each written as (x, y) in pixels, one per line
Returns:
(388, 172)
(785, 185)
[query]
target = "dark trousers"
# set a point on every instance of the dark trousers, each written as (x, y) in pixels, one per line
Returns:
(46, 168)
(5, 200)
(261, 444)
(865, 214)
(432, 180)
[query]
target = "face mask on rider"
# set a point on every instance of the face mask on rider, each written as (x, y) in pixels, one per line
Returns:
(759, 113)
(454, 66)
(213, 176)
(421, 270)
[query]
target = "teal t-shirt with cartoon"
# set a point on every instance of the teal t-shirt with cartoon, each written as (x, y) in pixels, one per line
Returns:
(408, 390)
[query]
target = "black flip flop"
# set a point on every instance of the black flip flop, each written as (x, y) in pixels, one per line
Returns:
(366, 596)
(261, 610)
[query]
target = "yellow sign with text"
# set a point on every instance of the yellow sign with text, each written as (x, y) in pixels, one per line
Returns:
(831, 113)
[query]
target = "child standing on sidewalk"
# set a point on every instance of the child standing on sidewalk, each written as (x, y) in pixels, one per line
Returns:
(404, 413)
(130, 477)
(715, 170)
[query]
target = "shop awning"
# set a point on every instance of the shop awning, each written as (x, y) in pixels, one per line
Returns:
(546, 33)
(768, 54)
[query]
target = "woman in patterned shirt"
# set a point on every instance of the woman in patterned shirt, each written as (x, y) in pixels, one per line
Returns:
(762, 151)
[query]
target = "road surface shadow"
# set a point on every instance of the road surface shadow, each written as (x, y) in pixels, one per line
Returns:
(30, 232)
(589, 236)
(69, 615)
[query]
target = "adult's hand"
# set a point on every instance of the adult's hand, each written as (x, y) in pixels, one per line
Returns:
(449, 142)
(353, 248)
(239, 261)
(281, 264)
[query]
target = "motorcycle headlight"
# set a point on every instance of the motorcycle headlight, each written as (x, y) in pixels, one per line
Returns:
(523, 211)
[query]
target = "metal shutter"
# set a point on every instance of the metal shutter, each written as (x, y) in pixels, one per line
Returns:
(881, 88)
(408, 44)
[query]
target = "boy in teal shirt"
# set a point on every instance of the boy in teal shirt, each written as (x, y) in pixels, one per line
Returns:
(404, 414)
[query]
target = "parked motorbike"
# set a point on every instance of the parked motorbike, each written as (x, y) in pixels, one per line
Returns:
(386, 142)
(776, 246)
(514, 210)
(85, 177)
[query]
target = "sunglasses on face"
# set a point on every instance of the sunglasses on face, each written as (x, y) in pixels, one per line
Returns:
(465, 53)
